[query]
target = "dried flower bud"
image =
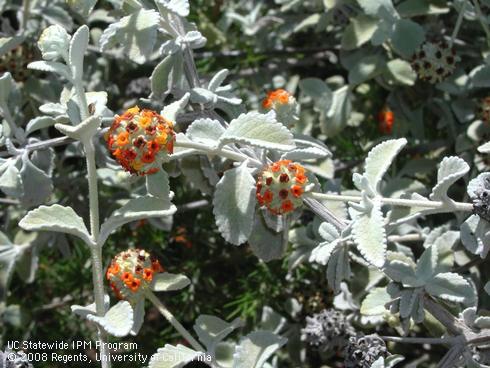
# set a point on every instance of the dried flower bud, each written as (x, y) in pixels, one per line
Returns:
(479, 192)
(284, 104)
(54, 43)
(280, 187)
(140, 140)
(131, 273)
(328, 330)
(434, 62)
(385, 121)
(362, 351)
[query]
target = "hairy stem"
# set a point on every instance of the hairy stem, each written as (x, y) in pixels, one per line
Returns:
(173, 321)
(422, 340)
(457, 206)
(25, 13)
(458, 24)
(96, 249)
(82, 99)
(482, 20)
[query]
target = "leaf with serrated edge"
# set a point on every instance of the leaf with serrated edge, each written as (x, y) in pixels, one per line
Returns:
(309, 153)
(78, 46)
(56, 218)
(206, 131)
(52, 67)
(173, 357)
(234, 204)
(370, 235)
(136, 209)
(379, 160)
(450, 170)
(179, 7)
(38, 123)
(374, 303)
(451, 286)
(169, 282)
(260, 130)
(118, 320)
(256, 348)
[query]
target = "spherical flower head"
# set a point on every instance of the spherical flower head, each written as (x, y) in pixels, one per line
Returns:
(54, 43)
(131, 273)
(386, 118)
(284, 104)
(280, 187)
(140, 140)
(433, 62)
(484, 110)
(362, 351)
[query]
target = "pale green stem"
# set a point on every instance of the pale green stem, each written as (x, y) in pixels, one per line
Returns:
(236, 156)
(173, 321)
(10, 121)
(482, 19)
(457, 206)
(25, 13)
(458, 24)
(96, 249)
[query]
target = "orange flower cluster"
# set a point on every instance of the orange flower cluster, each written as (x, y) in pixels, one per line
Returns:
(277, 97)
(385, 121)
(131, 272)
(140, 140)
(181, 237)
(280, 187)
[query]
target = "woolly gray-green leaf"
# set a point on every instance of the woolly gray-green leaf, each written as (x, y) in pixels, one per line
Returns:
(78, 46)
(83, 131)
(211, 330)
(166, 75)
(407, 37)
(450, 170)
(206, 131)
(379, 160)
(256, 348)
(338, 268)
(234, 204)
(134, 210)
(370, 235)
(38, 123)
(402, 72)
(260, 130)
(52, 67)
(118, 320)
(339, 112)
(173, 110)
(37, 185)
(157, 185)
(374, 303)
(173, 357)
(265, 243)
(358, 32)
(179, 7)
(136, 33)
(56, 218)
(452, 287)
(169, 282)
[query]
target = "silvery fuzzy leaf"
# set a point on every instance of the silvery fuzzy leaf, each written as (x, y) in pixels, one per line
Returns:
(234, 204)
(256, 348)
(206, 131)
(191, 168)
(9, 43)
(84, 310)
(174, 109)
(321, 254)
(271, 320)
(408, 300)
(157, 185)
(482, 322)
(452, 287)
(56, 218)
(212, 330)
(338, 268)
(38, 123)
(265, 243)
(54, 43)
(400, 271)
(167, 75)
(318, 90)
(401, 71)
(54, 109)
(339, 112)
(369, 233)
(76, 53)
(12, 315)
(301, 154)
(135, 209)
(366, 68)
(37, 185)
(427, 265)
(9, 253)
(487, 288)
(450, 170)
(195, 39)
(358, 32)
(118, 321)
(203, 96)
(407, 37)
(379, 363)
(173, 357)
(379, 160)
(218, 80)
(484, 148)
(374, 303)
(259, 130)
(10, 180)
(52, 67)
(84, 7)
(179, 7)
(84, 131)
(475, 235)
(374, 7)
(6, 85)
(136, 33)
(169, 282)
(138, 316)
